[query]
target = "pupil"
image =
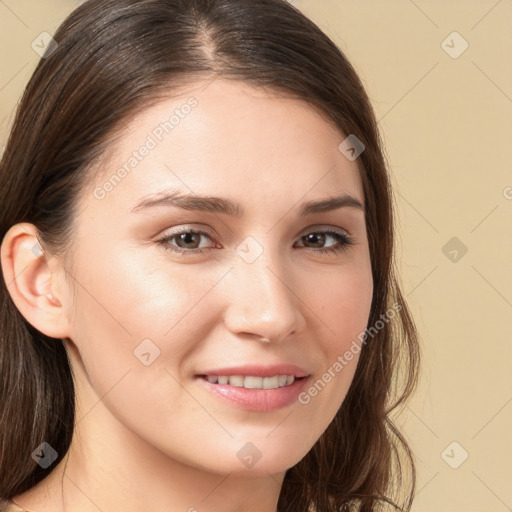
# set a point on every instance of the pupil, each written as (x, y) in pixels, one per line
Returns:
(320, 237)
(184, 239)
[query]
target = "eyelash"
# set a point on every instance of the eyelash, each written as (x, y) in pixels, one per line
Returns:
(344, 242)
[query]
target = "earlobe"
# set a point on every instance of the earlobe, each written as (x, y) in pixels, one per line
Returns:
(31, 277)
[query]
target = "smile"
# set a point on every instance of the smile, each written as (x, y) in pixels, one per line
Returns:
(251, 381)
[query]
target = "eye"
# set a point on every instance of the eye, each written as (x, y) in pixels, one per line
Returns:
(319, 237)
(185, 239)
(188, 241)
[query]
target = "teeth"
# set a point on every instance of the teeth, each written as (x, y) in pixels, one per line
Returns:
(251, 382)
(236, 380)
(271, 382)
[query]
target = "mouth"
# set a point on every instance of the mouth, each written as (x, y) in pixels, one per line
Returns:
(255, 388)
(252, 381)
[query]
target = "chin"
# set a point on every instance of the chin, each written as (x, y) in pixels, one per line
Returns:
(264, 455)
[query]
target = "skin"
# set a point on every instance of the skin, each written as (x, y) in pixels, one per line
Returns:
(150, 437)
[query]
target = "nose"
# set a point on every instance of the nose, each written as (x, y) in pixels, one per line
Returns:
(263, 300)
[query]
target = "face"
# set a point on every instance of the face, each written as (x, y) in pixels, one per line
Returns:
(184, 306)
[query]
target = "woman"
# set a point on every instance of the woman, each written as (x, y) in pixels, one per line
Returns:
(200, 309)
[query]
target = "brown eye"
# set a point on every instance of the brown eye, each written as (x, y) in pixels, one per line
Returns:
(188, 241)
(318, 239)
(314, 238)
(185, 241)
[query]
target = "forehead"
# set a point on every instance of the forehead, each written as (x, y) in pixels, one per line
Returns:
(227, 138)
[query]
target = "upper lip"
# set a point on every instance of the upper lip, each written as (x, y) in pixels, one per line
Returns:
(258, 370)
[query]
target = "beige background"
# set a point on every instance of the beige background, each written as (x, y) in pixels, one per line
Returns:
(447, 125)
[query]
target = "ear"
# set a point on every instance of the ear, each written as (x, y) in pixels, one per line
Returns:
(34, 281)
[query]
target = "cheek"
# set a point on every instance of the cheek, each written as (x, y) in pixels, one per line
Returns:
(130, 306)
(135, 327)
(342, 302)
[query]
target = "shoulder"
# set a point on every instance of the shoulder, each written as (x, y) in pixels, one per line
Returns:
(9, 506)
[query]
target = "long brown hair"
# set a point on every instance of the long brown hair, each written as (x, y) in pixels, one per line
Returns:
(114, 57)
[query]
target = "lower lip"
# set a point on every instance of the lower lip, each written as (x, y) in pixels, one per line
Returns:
(260, 400)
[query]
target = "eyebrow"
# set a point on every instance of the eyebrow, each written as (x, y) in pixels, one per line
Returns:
(228, 207)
